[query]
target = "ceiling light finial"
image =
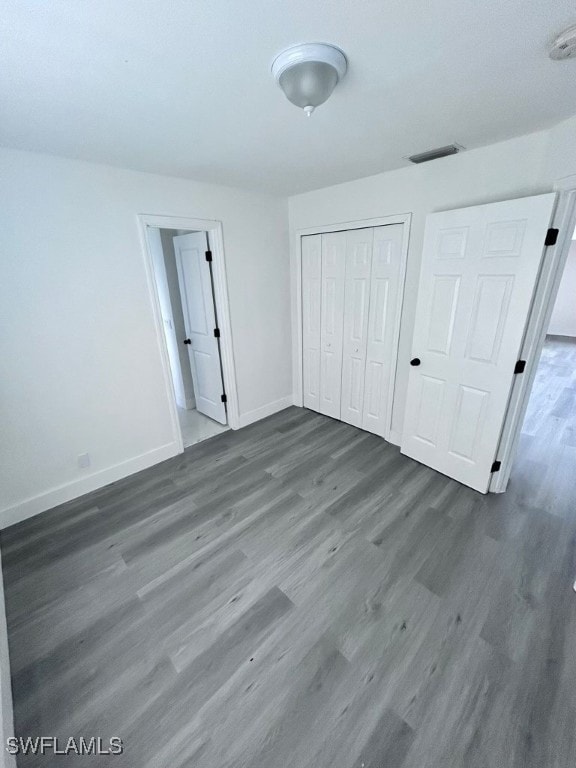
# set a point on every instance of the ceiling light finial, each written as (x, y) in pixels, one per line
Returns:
(309, 73)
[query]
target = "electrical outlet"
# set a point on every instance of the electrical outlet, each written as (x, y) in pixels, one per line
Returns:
(84, 460)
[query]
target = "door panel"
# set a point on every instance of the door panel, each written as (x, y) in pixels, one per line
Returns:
(332, 314)
(489, 312)
(200, 321)
(311, 301)
(359, 244)
(385, 299)
(479, 270)
(431, 396)
(443, 312)
(467, 424)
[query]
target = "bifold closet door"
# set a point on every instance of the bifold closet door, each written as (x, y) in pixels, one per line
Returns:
(385, 303)
(311, 301)
(351, 296)
(332, 316)
(359, 244)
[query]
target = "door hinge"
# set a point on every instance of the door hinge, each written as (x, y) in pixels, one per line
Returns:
(551, 237)
(520, 366)
(208, 255)
(217, 333)
(496, 466)
(224, 398)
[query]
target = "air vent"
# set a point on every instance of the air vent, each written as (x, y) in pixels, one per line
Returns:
(434, 154)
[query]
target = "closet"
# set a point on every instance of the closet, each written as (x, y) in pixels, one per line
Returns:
(351, 298)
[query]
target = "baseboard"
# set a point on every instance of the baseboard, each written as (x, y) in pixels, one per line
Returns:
(36, 504)
(266, 410)
(395, 438)
(187, 405)
(6, 709)
(559, 337)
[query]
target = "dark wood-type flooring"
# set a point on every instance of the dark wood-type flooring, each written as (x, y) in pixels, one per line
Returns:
(298, 594)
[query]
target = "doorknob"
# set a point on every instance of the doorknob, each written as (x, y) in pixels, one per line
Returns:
(187, 341)
(415, 361)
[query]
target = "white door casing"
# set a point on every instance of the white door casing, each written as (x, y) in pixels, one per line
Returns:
(359, 244)
(311, 302)
(385, 300)
(332, 313)
(478, 274)
(200, 320)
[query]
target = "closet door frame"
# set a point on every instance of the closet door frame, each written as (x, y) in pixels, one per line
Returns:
(296, 268)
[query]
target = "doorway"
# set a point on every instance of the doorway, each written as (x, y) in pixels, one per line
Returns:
(193, 326)
(350, 286)
(548, 436)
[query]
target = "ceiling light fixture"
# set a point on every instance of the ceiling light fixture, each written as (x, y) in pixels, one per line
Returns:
(564, 47)
(309, 73)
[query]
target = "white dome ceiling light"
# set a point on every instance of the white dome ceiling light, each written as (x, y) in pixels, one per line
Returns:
(564, 47)
(309, 73)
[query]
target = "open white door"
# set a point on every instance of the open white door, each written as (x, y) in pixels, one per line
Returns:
(478, 274)
(200, 321)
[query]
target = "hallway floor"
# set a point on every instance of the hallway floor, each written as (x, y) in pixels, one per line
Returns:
(551, 414)
(196, 427)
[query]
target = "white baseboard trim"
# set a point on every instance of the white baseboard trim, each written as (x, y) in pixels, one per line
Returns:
(395, 438)
(189, 404)
(36, 504)
(266, 410)
(561, 337)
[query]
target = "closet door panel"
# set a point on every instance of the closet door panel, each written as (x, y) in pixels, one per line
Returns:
(384, 303)
(356, 304)
(332, 313)
(311, 317)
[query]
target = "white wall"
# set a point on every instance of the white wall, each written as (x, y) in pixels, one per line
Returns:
(188, 399)
(560, 157)
(563, 319)
(80, 357)
(501, 171)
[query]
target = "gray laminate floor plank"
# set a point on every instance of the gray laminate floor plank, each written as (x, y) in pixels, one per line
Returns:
(300, 594)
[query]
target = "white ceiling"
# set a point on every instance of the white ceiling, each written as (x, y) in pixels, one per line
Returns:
(184, 87)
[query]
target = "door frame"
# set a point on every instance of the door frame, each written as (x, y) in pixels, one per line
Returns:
(296, 267)
(215, 236)
(547, 284)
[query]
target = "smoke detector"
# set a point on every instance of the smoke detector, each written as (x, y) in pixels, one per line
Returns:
(564, 47)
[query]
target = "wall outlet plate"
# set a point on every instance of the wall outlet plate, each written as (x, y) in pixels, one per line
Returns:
(84, 460)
